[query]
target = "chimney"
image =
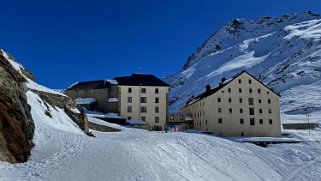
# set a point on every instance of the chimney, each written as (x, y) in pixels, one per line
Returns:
(208, 88)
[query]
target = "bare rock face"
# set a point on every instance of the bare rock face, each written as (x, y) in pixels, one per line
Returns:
(16, 124)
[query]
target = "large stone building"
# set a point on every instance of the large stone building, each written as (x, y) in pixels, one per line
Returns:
(242, 106)
(143, 97)
(137, 98)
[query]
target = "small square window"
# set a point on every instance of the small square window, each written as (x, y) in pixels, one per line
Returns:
(250, 81)
(143, 109)
(129, 109)
(250, 90)
(143, 90)
(218, 99)
(240, 81)
(129, 118)
(242, 134)
(251, 110)
(241, 110)
(241, 100)
(129, 90)
(156, 100)
(260, 101)
(241, 121)
(220, 121)
(219, 110)
(143, 118)
(129, 99)
(269, 101)
(156, 91)
(230, 100)
(252, 121)
(270, 121)
(270, 111)
(261, 121)
(230, 110)
(156, 109)
(240, 90)
(229, 90)
(251, 101)
(259, 91)
(156, 119)
(143, 99)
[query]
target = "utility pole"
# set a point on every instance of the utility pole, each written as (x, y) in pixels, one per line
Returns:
(308, 115)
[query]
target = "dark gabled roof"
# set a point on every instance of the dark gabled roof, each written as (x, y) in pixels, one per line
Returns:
(98, 84)
(221, 85)
(141, 80)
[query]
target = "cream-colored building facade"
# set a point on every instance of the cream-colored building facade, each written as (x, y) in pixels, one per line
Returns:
(241, 107)
(146, 101)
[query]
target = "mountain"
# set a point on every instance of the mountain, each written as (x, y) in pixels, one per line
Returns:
(284, 53)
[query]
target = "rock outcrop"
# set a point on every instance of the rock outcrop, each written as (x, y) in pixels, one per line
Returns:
(16, 124)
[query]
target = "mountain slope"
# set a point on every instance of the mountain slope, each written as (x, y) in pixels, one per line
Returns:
(284, 53)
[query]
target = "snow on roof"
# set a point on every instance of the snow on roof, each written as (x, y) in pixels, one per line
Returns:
(108, 115)
(112, 81)
(83, 101)
(30, 84)
(136, 122)
(112, 99)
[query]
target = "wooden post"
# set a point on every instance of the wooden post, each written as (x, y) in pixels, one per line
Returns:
(86, 124)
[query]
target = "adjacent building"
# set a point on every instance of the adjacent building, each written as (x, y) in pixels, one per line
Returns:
(241, 106)
(143, 97)
(99, 95)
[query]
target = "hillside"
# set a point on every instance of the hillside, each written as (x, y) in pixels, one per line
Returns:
(284, 53)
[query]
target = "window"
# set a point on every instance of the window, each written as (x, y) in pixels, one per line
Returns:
(143, 90)
(218, 99)
(260, 111)
(251, 110)
(229, 100)
(250, 90)
(242, 134)
(206, 122)
(182, 117)
(143, 100)
(240, 81)
(270, 111)
(143, 118)
(129, 109)
(143, 109)
(220, 121)
(129, 99)
(241, 100)
(156, 91)
(129, 118)
(156, 119)
(229, 90)
(270, 121)
(156, 109)
(219, 110)
(268, 92)
(250, 81)
(259, 91)
(260, 101)
(230, 110)
(269, 101)
(261, 121)
(251, 101)
(241, 121)
(240, 90)
(172, 117)
(129, 90)
(241, 110)
(252, 121)
(156, 100)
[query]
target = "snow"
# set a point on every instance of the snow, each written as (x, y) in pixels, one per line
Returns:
(112, 99)
(30, 84)
(307, 29)
(63, 152)
(84, 101)
(114, 82)
(108, 115)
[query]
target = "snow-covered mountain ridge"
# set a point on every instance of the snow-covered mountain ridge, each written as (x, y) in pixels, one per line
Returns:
(284, 53)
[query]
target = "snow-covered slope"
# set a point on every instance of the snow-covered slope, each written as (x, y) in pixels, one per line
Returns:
(284, 53)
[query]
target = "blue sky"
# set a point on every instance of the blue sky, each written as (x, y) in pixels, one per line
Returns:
(63, 42)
